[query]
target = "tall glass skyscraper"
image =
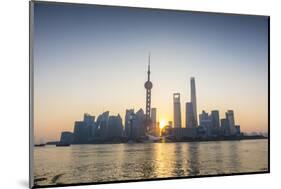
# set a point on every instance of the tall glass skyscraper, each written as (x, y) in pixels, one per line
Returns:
(177, 110)
(189, 117)
(193, 99)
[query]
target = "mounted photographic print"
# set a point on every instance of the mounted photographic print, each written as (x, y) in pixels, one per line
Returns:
(122, 94)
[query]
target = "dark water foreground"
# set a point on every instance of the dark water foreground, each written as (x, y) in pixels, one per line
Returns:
(112, 162)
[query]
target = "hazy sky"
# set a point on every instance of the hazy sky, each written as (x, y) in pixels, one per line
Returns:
(94, 58)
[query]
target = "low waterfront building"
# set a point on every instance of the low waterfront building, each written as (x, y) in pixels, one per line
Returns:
(81, 132)
(184, 133)
(66, 137)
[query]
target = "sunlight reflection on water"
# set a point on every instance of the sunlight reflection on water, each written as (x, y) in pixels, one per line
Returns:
(111, 162)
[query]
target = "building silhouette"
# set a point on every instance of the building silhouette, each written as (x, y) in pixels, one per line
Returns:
(148, 87)
(237, 130)
(102, 126)
(83, 129)
(115, 127)
(228, 127)
(205, 121)
(177, 110)
(215, 118)
(138, 127)
(184, 133)
(230, 117)
(155, 130)
(140, 123)
(128, 116)
(225, 127)
(191, 107)
(189, 116)
(66, 137)
(90, 123)
(193, 99)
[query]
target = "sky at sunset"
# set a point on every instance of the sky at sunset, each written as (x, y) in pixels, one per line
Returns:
(90, 59)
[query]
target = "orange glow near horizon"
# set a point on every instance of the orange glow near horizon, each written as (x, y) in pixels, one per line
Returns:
(163, 123)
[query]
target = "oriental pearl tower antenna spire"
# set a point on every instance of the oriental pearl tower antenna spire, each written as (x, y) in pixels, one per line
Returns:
(148, 87)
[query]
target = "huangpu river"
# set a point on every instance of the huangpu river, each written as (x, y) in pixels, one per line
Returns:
(112, 162)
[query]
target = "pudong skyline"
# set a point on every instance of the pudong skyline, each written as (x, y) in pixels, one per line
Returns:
(71, 80)
(142, 126)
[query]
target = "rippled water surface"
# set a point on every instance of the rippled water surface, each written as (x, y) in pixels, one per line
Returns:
(111, 162)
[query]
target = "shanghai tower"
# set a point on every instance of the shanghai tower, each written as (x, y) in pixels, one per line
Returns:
(193, 99)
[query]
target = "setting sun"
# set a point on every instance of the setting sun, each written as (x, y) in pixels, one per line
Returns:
(163, 123)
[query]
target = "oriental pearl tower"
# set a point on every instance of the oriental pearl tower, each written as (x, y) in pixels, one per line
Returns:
(148, 87)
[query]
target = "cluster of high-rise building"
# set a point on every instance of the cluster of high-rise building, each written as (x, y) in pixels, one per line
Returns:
(109, 128)
(190, 109)
(142, 124)
(210, 125)
(106, 128)
(214, 126)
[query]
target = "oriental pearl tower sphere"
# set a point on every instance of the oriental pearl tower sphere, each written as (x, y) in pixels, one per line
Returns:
(148, 87)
